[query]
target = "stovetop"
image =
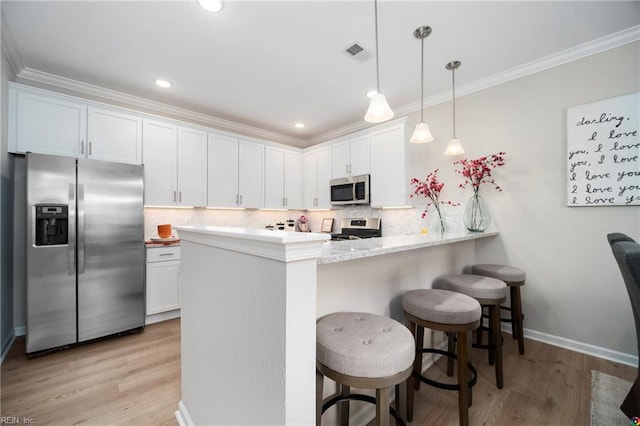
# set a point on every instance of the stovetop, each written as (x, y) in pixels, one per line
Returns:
(358, 228)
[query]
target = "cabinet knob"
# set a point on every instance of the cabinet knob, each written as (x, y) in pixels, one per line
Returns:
(81, 147)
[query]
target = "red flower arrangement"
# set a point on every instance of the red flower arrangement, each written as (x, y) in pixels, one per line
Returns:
(478, 171)
(430, 188)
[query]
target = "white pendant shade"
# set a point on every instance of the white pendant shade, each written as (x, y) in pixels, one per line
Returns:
(454, 147)
(421, 134)
(379, 110)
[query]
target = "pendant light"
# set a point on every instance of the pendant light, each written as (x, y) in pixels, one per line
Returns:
(379, 109)
(421, 134)
(454, 147)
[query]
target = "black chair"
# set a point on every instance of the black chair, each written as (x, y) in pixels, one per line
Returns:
(627, 254)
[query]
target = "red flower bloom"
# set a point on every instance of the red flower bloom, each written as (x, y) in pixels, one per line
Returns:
(430, 188)
(478, 171)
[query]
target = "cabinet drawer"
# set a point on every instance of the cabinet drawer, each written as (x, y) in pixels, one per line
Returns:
(163, 254)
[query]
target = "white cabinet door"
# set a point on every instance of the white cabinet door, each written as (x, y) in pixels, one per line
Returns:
(251, 174)
(393, 163)
(274, 180)
(359, 156)
(309, 179)
(192, 167)
(340, 159)
(163, 279)
(323, 176)
(114, 136)
(46, 124)
(350, 157)
(317, 174)
(293, 180)
(159, 157)
(222, 182)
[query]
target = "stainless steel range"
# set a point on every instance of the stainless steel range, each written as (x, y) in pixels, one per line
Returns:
(358, 228)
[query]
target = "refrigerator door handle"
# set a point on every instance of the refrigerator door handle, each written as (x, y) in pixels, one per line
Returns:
(71, 255)
(81, 233)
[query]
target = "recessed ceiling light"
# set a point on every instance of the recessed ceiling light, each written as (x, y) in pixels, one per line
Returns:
(211, 5)
(299, 125)
(372, 93)
(163, 83)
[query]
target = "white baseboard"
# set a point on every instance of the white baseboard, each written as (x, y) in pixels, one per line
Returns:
(573, 345)
(162, 316)
(8, 345)
(182, 415)
(20, 331)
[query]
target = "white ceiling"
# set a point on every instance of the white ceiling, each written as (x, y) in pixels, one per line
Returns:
(267, 64)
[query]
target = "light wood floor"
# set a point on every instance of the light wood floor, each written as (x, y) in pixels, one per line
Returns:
(135, 380)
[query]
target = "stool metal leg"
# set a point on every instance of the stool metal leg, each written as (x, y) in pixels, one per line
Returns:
(343, 407)
(493, 330)
(417, 363)
(319, 395)
(411, 387)
(496, 341)
(463, 379)
(451, 347)
(516, 316)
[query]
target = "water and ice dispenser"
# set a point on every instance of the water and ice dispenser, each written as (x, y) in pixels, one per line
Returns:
(52, 224)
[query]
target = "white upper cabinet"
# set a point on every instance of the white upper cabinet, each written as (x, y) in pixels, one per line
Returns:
(236, 172)
(46, 124)
(293, 180)
(283, 179)
(49, 123)
(222, 187)
(192, 167)
(317, 174)
(350, 157)
(175, 165)
(274, 178)
(393, 164)
(250, 174)
(114, 136)
(160, 165)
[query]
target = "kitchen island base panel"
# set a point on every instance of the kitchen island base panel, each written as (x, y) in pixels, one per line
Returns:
(248, 331)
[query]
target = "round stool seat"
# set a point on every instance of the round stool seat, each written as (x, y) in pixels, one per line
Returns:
(364, 345)
(509, 274)
(441, 306)
(476, 286)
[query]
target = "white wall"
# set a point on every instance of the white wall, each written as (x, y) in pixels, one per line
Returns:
(6, 214)
(574, 289)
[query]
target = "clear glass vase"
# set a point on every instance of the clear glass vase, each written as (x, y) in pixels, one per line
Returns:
(476, 216)
(435, 219)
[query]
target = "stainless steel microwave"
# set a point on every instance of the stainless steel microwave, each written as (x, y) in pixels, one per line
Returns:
(350, 190)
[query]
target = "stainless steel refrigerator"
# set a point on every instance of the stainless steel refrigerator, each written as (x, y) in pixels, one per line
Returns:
(85, 250)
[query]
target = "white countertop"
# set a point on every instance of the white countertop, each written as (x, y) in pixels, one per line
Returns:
(344, 250)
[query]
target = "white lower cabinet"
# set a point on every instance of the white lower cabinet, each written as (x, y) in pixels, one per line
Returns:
(163, 280)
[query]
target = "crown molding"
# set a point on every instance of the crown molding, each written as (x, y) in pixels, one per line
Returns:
(113, 95)
(593, 47)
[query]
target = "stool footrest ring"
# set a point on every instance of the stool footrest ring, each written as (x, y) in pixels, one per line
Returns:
(358, 397)
(446, 386)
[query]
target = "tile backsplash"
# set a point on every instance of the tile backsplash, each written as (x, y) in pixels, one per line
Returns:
(394, 221)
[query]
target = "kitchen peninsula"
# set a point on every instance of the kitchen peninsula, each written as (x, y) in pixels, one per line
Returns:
(250, 299)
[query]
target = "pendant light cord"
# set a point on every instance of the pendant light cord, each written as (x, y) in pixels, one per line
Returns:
(422, 80)
(453, 79)
(375, 4)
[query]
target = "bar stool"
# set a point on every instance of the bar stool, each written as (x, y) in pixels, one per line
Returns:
(365, 351)
(452, 313)
(514, 278)
(490, 293)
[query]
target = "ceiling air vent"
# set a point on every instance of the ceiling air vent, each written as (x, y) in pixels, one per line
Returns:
(357, 52)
